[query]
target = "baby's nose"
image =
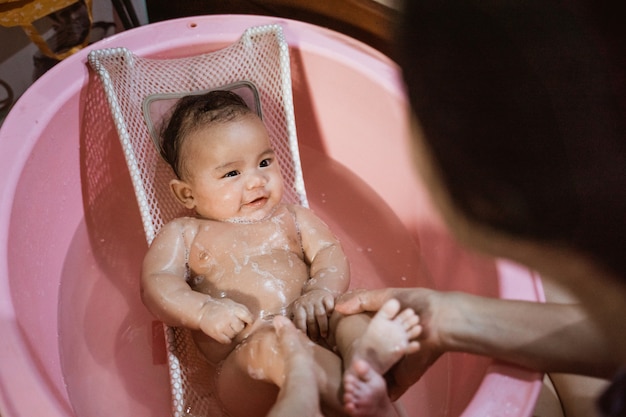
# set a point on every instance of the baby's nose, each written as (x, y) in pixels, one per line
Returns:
(256, 179)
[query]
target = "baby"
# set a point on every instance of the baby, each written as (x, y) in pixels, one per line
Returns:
(246, 256)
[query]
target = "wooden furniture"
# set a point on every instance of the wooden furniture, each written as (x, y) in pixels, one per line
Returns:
(369, 21)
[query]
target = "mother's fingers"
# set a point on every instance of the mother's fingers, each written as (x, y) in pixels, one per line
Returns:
(361, 300)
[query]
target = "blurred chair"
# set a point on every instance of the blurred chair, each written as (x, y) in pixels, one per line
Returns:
(6, 98)
(126, 13)
(25, 13)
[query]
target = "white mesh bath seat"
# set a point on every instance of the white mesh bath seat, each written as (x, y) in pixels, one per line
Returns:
(139, 91)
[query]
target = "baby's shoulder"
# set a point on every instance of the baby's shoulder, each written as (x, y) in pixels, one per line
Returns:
(186, 226)
(302, 215)
(297, 209)
(182, 222)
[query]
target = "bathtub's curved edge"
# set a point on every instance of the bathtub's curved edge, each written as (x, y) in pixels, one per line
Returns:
(523, 385)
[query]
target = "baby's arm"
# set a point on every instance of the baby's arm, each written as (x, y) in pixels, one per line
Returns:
(329, 274)
(165, 292)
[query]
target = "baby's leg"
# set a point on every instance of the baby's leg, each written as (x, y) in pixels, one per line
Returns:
(253, 373)
(370, 347)
(244, 381)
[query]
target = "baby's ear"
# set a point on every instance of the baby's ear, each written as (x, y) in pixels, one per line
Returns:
(183, 193)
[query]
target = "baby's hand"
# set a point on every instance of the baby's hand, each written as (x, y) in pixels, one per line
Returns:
(223, 319)
(311, 312)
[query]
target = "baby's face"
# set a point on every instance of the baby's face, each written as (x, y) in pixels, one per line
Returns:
(232, 171)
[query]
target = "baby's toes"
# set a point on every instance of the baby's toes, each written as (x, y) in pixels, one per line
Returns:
(414, 332)
(412, 347)
(408, 318)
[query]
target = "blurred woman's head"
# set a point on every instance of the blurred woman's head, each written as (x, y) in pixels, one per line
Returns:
(521, 109)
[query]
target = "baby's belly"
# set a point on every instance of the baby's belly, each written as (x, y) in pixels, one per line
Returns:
(265, 284)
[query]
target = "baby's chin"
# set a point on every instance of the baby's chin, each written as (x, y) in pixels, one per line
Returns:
(256, 217)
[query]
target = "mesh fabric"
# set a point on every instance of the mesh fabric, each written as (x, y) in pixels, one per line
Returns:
(260, 58)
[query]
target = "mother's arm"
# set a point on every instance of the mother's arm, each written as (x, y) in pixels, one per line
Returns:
(549, 337)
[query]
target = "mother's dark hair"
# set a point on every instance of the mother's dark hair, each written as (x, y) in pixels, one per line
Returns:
(522, 104)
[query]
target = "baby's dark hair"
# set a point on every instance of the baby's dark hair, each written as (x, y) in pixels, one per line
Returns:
(193, 112)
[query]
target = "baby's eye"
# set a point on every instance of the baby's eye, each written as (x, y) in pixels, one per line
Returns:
(231, 174)
(265, 163)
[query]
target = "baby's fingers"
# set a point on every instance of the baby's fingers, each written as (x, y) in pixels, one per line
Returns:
(244, 315)
(299, 318)
(329, 304)
(229, 330)
(237, 326)
(321, 317)
(224, 334)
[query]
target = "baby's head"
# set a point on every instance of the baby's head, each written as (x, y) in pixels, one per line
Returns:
(221, 153)
(194, 112)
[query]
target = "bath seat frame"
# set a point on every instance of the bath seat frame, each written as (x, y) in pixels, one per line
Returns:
(139, 91)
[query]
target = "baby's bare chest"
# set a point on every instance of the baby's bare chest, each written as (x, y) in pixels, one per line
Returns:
(216, 242)
(240, 261)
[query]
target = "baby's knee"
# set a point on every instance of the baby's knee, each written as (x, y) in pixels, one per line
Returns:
(260, 356)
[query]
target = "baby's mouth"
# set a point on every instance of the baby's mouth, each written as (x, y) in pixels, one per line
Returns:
(257, 201)
(255, 210)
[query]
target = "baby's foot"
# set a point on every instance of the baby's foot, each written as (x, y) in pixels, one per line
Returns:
(365, 392)
(389, 336)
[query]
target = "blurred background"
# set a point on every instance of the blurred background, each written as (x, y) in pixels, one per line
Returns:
(37, 34)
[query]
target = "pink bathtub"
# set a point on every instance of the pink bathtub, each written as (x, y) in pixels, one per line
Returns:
(75, 339)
